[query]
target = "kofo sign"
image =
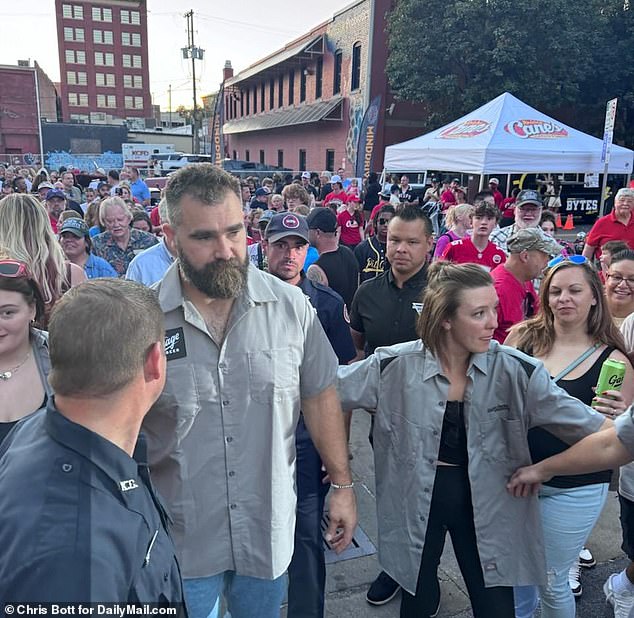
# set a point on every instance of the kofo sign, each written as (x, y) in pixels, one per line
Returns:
(535, 129)
(466, 129)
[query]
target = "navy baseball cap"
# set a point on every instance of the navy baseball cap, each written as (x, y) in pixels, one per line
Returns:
(261, 191)
(51, 193)
(286, 224)
(322, 218)
(75, 226)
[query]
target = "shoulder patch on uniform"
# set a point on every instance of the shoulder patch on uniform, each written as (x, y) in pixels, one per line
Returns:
(175, 343)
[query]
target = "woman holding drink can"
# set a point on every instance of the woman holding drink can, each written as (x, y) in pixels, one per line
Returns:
(574, 336)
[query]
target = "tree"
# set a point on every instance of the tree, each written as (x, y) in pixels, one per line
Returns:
(455, 55)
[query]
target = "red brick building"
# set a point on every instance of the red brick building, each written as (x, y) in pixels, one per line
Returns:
(103, 58)
(22, 87)
(306, 106)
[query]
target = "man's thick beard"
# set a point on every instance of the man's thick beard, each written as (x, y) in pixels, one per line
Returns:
(220, 279)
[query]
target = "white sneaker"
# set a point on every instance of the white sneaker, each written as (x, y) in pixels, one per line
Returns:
(574, 579)
(622, 602)
(586, 559)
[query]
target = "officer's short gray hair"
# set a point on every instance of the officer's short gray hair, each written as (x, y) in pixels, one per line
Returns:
(99, 356)
(624, 192)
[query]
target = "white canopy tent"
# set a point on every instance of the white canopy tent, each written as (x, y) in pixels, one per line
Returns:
(506, 136)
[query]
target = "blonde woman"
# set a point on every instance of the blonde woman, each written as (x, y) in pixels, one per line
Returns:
(458, 224)
(26, 234)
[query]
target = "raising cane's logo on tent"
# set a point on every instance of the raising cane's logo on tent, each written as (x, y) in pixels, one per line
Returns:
(468, 128)
(535, 129)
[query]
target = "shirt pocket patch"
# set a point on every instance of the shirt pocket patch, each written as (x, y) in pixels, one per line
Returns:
(503, 440)
(272, 373)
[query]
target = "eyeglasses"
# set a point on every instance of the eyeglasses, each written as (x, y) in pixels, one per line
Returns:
(383, 221)
(13, 269)
(575, 259)
(617, 280)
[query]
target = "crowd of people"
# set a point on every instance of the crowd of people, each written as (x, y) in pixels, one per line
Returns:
(237, 324)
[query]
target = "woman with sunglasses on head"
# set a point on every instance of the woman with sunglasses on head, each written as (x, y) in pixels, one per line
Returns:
(27, 235)
(619, 285)
(452, 412)
(24, 361)
(572, 335)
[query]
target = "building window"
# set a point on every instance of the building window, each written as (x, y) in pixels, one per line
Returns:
(272, 94)
(105, 79)
(336, 82)
(131, 39)
(132, 81)
(71, 78)
(76, 79)
(262, 87)
(247, 155)
(75, 56)
(78, 99)
(302, 84)
(130, 17)
(302, 160)
(280, 91)
(355, 80)
(138, 102)
(280, 158)
(125, 38)
(80, 118)
(104, 59)
(291, 87)
(319, 76)
(262, 157)
(330, 160)
(136, 61)
(101, 100)
(99, 14)
(128, 102)
(74, 34)
(72, 99)
(72, 11)
(82, 79)
(103, 37)
(109, 100)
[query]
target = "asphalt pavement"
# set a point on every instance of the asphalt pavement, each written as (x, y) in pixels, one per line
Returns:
(348, 580)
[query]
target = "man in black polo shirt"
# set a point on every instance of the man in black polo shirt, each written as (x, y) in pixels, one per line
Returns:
(384, 312)
(80, 521)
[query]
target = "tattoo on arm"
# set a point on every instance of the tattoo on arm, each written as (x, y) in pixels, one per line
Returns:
(316, 274)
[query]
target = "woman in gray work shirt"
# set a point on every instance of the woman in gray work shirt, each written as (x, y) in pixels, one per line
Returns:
(452, 414)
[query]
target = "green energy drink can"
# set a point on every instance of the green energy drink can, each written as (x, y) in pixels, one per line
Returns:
(611, 376)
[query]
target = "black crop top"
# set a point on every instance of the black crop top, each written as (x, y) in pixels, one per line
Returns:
(453, 438)
(544, 444)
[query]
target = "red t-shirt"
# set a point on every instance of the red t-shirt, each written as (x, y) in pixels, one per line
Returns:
(498, 197)
(508, 207)
(463, 251)
(155, 218)
(350, 227)
(342, 196)
(609, 228)
(447, 198)
(53, 223)
(518, 301)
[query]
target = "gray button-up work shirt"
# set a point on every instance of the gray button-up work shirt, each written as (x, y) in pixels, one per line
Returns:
(507, 393)
(221, 438)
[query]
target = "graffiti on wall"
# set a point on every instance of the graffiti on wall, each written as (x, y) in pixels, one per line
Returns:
(84, 162)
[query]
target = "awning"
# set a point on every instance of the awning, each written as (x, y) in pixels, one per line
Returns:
(304, 114)
(304, 51)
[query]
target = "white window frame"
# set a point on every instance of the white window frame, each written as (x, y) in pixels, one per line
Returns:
(101, 100)
(138, 102)
(128, 102)
(108, 59)
(125, 39)
(137, 63)
(111, 100)
(127, 60)
(67, 11)
(137, 81)
(73, 99)
(135, 39)
(135, 18)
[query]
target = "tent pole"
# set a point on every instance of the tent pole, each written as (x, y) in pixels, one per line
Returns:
(508, 185)
(481, 185)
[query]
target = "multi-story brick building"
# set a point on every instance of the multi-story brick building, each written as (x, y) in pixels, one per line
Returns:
(103, 58)
(26, 96)
(307, 105)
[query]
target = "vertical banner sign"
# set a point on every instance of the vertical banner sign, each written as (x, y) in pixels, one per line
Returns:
(217, 138)
(367, 133)
(608, 134)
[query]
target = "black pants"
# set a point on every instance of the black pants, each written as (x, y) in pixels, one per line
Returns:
(451, 511)
(307, 570)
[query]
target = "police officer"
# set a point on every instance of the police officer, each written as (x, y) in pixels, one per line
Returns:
(285, 245)
(80, 520)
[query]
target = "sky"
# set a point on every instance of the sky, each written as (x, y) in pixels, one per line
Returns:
(250, 30)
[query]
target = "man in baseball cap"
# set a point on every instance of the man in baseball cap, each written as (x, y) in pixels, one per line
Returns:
(530, 249)
(494, 183)
(285, 245)
(528, 212)
(55, 204)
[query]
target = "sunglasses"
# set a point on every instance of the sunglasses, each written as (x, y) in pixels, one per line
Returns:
(575, 259)
(13, 269)
(383, 221)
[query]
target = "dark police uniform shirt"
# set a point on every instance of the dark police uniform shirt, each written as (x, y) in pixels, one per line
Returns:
(385, 313)
(333, 316)
(342, 271)
(80, 521)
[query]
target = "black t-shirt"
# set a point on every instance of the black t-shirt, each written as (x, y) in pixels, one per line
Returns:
(544, 444)
(385, 313)
(342, 271)
(371, 195)
(312, 190)
(324, 191)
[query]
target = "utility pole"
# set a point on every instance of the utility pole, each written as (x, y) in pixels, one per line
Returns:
(195, 53)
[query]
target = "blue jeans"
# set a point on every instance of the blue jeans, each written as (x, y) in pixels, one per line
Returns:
(246, 597)
(568, 516)
(307, 570)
